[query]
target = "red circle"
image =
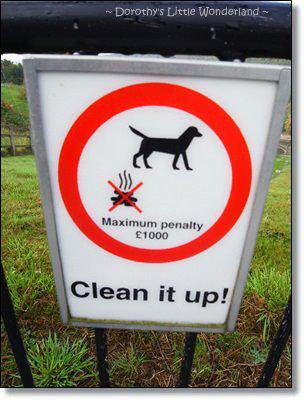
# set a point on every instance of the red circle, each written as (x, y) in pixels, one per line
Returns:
(155, 94)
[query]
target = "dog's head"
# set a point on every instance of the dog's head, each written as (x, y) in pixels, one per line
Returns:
(193, 132)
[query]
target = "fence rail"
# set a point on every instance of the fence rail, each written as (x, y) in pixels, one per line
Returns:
(92, 27)
(285, 144)
(13, 144)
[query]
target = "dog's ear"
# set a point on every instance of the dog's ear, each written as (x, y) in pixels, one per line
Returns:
(189, 130)
(193, 130)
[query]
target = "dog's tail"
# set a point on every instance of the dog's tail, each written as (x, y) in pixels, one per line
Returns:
(137, 132)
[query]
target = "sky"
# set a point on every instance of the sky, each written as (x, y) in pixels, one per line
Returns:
(15, 58)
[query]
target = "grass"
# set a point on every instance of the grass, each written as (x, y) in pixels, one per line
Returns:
(280, 163)
(130, 360)
(60, 363)
(15, 96)
(62, 356)
(14, 113)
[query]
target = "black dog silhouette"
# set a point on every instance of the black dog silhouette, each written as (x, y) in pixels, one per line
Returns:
(171, 146)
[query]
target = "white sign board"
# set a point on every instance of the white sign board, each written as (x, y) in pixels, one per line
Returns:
(153, 176)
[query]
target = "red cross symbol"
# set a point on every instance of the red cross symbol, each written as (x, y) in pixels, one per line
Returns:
(125, 197)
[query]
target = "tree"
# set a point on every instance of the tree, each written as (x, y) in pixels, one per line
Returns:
(11, 73)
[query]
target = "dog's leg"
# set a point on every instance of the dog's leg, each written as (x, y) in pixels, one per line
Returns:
(175, 161)
(135, 157)
(186, 162)
(146, 161)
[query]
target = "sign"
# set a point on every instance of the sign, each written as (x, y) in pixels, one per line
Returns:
(153, 175)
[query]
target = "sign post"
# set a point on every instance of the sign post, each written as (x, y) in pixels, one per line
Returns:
(153, 175)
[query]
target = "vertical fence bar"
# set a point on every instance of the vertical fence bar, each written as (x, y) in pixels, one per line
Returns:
(102, 355)
(31, 144)
(277, 347)
(13, 147)
(189, 350)
(13, 333)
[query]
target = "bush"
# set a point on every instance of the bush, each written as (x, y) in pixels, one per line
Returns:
(22, 93)
(11, 72)
(9, 116)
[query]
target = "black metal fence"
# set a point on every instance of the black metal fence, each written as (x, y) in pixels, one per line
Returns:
(92, 27)
(86, 27)
(11, 325)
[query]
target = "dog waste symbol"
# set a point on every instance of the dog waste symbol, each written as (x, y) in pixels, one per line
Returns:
(124, 194)
(124, 185)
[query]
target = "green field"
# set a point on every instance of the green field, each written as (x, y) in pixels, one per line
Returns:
(14, 114)
(15, 95)
(65, 357)
(14, 107)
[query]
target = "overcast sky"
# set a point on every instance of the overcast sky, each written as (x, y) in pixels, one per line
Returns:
(16, 58)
